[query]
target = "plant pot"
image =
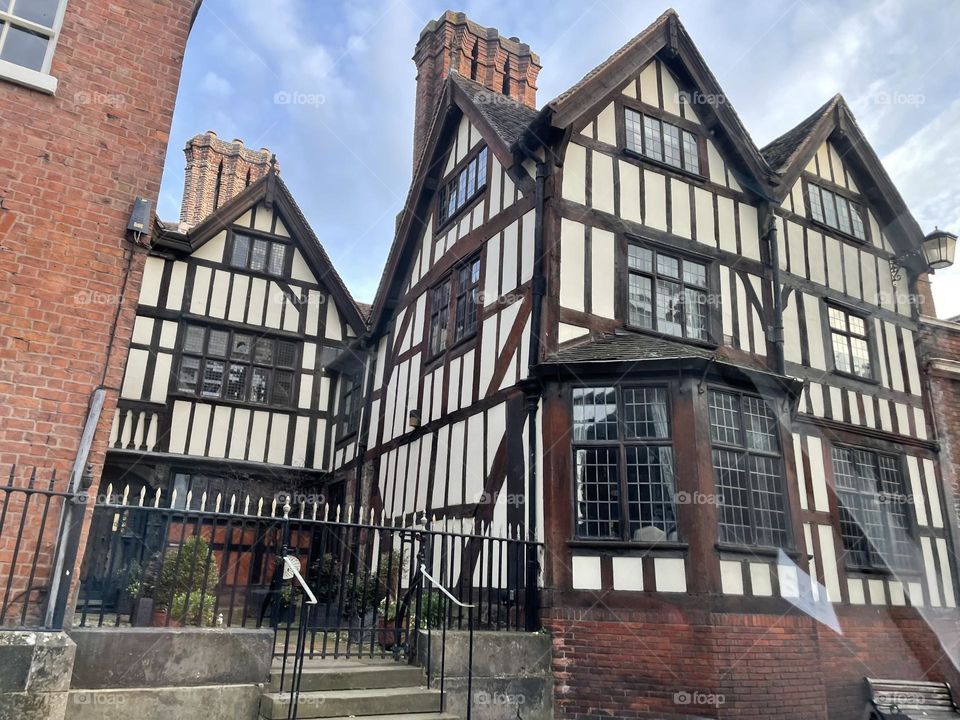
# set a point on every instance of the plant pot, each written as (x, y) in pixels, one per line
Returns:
(142, 613)
(160, 619)
(363, 628)
(387, 632)
(124, 602)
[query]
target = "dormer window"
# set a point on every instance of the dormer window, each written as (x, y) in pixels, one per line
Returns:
(661, 141)
(836, 211)
(465, 184)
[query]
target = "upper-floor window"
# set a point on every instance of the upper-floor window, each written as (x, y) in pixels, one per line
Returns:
(667, 293)
(850, 340)
(623, 464)
(235, 365)
(661, 141)
(463, 187)
(28, 34)
(874, 521)
(463, 286)
(350, 398)
(748, 471)
(836, 211)
(259, 255)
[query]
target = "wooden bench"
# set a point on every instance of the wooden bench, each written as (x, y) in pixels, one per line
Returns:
(910, 700)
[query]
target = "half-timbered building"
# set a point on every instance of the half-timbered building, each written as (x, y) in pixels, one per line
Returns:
(686, 363)
(227, 389)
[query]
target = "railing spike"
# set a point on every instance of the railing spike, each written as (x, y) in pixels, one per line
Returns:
(173, 497)
(156, 498)
(203, 501)
(326, 512)
(189, 500)
(233, 502)
(349, 513)
(143, 494)
(218, 501)
(126, 493)
(260, 507)
(337, 516)
(109, 493)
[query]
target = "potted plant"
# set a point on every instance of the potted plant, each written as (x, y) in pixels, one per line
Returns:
(324, 579)
(186, 586)
(142, 588)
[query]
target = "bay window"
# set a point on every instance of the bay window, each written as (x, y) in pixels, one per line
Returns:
(748, 471)
(623, 464)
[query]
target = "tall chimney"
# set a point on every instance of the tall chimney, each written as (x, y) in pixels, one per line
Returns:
(217, 171)
(454, 42)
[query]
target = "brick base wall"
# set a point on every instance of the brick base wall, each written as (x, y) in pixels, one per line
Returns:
(677, 663)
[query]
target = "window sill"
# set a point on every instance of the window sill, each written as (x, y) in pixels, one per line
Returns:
(705, 344)
(879, 572)
(854, 376)
(245, 404)
(756, 550)
(659, 164)
(835, 231)
(33, 79)
(615, 544)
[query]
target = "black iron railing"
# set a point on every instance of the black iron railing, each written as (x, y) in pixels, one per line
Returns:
(33, 508)
(165, 561)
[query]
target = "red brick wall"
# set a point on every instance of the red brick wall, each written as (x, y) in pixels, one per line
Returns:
(940, 352)
(677, 663)
(70, 167)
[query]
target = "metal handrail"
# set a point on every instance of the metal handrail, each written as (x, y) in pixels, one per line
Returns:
(469, 607)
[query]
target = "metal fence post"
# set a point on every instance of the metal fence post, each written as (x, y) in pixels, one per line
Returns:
(70, 529)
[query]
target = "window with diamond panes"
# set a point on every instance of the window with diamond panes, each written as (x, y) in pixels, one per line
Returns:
(748, 471)
(661, 141)
(236, 365)
(257, 254)
(874, 520)
(850, 341)
(666, 293)
(623, 464)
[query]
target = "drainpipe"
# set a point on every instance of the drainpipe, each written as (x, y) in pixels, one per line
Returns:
(364, 429)
(775, 333)
(533, 392)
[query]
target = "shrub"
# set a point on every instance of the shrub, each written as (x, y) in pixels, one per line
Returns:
(193, 608)
(185, 571)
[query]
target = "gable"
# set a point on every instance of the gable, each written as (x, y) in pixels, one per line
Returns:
(830, 146)
(663, 64)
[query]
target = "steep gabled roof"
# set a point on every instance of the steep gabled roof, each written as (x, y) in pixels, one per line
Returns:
(834, 121)
(667, 39)
(780, 153)
(500, 120)
(506, 117)
(272, 190)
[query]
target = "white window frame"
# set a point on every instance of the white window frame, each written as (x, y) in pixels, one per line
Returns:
(37, 79)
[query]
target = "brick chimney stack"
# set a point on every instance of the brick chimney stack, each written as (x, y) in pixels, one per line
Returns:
(217, 171)
(454, 42)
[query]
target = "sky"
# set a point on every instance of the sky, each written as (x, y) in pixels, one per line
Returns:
(328, 85)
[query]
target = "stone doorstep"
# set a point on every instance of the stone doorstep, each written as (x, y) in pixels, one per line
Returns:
(358, 677)
(344, 703)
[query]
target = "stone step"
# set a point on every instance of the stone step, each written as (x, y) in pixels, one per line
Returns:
(353, 677)
(347, 703)
(201, 702)
(406, 716)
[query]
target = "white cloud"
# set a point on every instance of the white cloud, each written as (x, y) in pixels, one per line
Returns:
(926, 168)
(215, 85)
